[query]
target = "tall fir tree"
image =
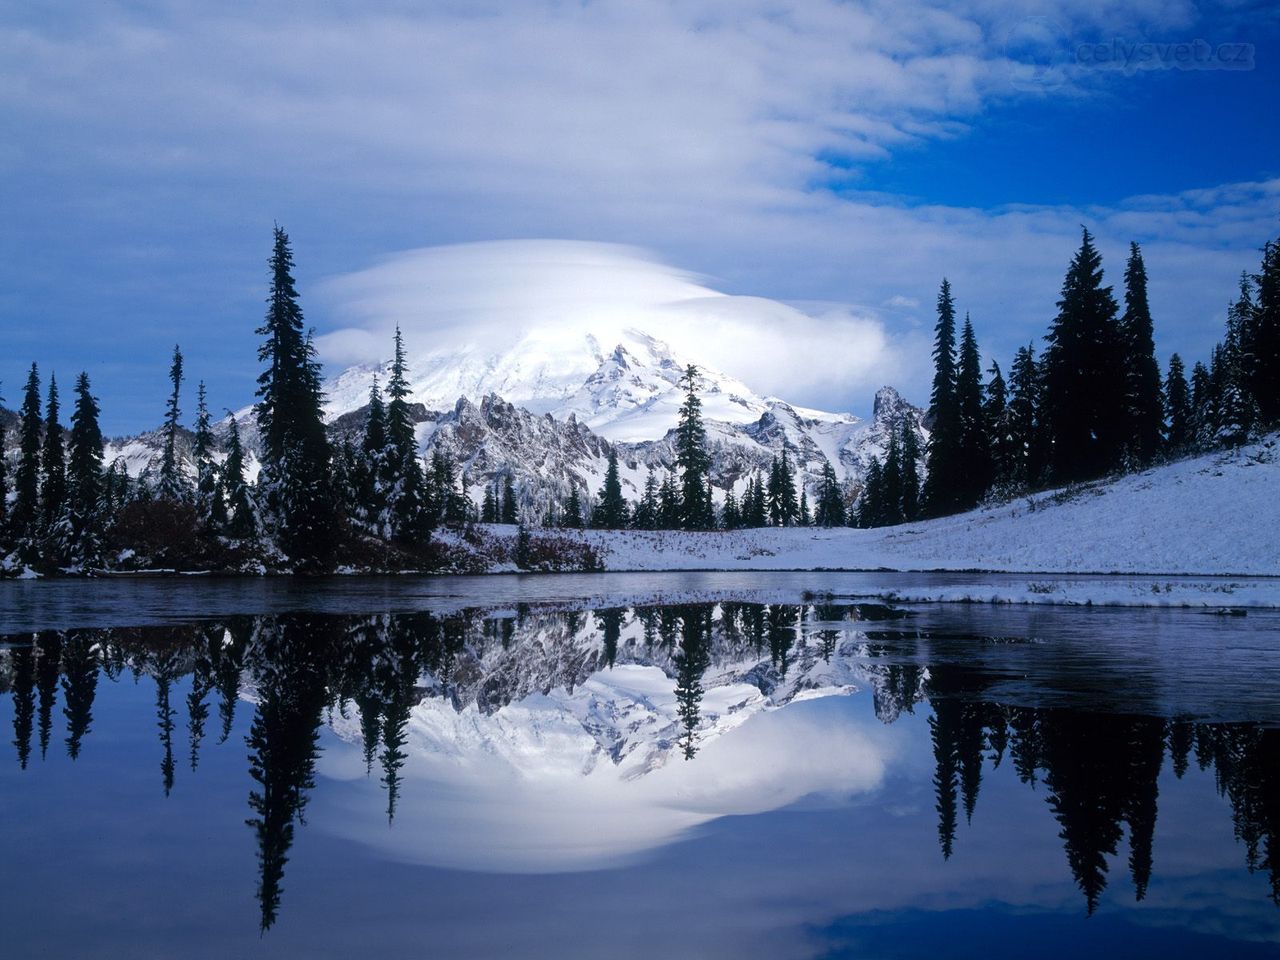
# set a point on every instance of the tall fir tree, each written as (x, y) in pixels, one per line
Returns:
(242, 518)
(1204, 407)
(692, 458)
(1237, 413)
(53, 461)
(783, 507)
(1142, 400)
(489, 508)
(573, 509)
(1026, 432)
(4, 492)
(373, 474)
(1084, 373)
(208, 500)
(891, 486)
(173, 485)
(870, 512)
(1177, 398)
(84, 476)
(613, 508)
(910, 471)
(670, 512)
(942, 487)
(995, 413)
(730, 513)
(1262, 340)
(407, 494)
(294, 483)
(829, 511)
(646, 515)
(974, 455)
(510, 503)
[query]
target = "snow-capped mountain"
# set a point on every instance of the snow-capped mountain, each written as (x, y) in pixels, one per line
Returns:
(549, 408)
(624, 391)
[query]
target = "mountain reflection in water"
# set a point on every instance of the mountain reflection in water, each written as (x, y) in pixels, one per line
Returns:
(630, 701)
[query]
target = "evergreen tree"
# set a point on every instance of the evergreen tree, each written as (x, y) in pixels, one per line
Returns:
(84, 475)
(296, 493)
(802, 517)
(871, 505)
(730, 514)
(407, 491)
(613, 508)
(759, 516)
(1204, 406)
(691, 456)
(646, 515)
(910, 472)
(670, 512)
(489, 509)
(1025, 433)
(1177, 400)
(510, 505)
(1262, 338)
(746, 508)
(995, 412)
(1237, 413)
(208, 500)
(974, 454)
(573, 509)
(830, 507)
(26, 502)
(523, 553)
(4, 490)
(173, 485)
(348, 480)
(787, 490)
(1084, 373)
(53, 461)
(1142, 401)
(375, 472)
(242, 520)
(891, 487)
(941, 492)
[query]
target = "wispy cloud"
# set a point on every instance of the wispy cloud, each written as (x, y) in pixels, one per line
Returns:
(736, 139)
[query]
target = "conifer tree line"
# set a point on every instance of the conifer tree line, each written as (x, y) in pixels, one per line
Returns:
(312, 501)
(1092, 404)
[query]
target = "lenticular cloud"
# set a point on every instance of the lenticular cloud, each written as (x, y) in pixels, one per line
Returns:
(484, 296)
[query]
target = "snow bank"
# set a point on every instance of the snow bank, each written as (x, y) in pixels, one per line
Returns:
(1216, 514)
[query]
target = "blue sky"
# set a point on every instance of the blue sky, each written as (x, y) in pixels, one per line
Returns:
(839, 155)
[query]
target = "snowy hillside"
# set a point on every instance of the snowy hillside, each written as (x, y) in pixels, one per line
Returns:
(1213, 514)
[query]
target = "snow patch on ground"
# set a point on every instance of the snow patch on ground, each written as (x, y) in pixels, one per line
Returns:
(1212, 515)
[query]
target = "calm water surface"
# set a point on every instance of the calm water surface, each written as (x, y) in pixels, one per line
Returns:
(707, 765)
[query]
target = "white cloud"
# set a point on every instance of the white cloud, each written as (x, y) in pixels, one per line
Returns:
(489, 295)
(477, 808)
(712, 132)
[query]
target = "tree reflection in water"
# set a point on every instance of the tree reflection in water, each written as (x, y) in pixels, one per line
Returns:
(1099, 769)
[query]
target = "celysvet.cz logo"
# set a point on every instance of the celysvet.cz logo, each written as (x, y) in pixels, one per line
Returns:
(1131, 56)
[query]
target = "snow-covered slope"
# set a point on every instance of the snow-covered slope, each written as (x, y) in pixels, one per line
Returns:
(1213, 514)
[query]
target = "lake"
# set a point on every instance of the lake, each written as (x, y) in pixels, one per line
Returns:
(679, 765)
